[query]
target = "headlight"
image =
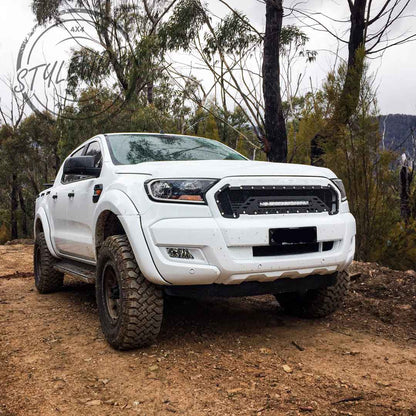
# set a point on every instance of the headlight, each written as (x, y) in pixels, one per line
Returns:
(179, 190)
(339, 184)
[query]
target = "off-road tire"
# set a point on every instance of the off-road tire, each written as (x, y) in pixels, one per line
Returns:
(316, 303)
(139, 310)
(47, 279)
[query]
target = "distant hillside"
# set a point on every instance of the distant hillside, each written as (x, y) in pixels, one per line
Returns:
(398, 130)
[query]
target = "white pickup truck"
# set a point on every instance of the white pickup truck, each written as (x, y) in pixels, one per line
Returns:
(151, 215)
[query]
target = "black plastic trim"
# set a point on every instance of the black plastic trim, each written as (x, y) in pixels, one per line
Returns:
(284, 285)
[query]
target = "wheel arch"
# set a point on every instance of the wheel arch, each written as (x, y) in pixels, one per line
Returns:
(116, 214)
(107, 224)
(107, 220)
(41, 224)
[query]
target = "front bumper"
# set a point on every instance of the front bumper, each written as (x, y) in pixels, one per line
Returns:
(224, 251)
(223, 247)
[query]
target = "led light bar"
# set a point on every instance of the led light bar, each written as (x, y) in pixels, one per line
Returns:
(283, 204)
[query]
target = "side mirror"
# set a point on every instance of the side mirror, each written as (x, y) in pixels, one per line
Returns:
(81, 165)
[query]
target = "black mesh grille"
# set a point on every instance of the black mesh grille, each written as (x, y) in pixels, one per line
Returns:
(257, 200)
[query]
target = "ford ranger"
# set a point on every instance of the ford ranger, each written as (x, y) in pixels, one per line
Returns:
(144, 216)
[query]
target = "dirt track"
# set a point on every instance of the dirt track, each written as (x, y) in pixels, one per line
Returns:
(216, 357)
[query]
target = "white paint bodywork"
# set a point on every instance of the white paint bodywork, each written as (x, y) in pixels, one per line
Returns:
(222, 247)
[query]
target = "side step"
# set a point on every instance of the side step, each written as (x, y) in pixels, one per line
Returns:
(82, 271)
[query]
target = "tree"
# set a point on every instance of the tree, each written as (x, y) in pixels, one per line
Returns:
(241, 61)
(365, 169)
(406, 178)
(10, 149)
(127, 31)
(370, 23)
(274, 126)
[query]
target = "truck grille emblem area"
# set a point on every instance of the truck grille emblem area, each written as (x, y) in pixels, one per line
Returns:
(234, 201)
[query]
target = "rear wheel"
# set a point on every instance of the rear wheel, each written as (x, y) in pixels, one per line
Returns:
(129, 306)
(316, 303)
(47, 279)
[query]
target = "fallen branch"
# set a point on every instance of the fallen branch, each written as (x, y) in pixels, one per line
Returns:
(355, 276)
(298, 346)
(349, 399)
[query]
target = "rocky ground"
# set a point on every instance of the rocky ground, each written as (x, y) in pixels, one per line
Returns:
(214, 357)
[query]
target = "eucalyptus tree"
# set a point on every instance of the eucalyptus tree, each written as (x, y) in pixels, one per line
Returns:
(11, 149)
(371, 27)
(274, 122)
(127, 31)
(245, 64)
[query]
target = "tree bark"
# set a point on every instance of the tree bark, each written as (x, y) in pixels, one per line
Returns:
(275, 129)
(150, 93)
(351, 89)
(350, 93)
(13, 208)
(24, 211)
(406, 177)
(57, 159)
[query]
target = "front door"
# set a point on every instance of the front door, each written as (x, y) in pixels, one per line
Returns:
(80, 210)
(80, 214)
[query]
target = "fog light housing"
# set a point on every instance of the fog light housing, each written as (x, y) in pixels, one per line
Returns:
(179, 253)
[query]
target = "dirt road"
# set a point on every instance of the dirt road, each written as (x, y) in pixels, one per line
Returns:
(216, 357)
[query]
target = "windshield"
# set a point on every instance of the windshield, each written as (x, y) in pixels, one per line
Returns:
(130, 149)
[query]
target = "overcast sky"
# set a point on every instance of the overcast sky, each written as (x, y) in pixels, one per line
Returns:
(396, 70)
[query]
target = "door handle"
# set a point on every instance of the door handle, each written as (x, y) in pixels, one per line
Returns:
(71, 194)
(55, 196)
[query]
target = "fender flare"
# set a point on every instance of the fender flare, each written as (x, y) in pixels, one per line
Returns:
(41, 215)
(119, 203)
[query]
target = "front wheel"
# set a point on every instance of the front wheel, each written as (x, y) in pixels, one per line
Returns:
(316, 303)
(129, 306)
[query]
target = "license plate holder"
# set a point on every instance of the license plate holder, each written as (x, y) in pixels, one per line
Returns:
(287, 236)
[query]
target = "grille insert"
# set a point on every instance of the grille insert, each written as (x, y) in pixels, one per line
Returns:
(259, 200)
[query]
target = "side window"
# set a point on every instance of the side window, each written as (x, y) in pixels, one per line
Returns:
(74, 178)
(94, 149)
(78, 152)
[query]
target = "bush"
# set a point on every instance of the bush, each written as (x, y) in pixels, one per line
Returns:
(4, 233)
(399, 250)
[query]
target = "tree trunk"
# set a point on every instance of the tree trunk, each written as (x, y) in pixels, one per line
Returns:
(275, 128)
(405, 182)
(24, 211)
(150, 93)
(351, 89)
(57, 160)
(350, 94)
(13, 208)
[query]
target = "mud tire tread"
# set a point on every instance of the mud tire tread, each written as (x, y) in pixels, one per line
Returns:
(141, 301)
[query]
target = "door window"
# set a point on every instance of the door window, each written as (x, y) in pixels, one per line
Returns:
(73, 178)
(94, 149)
(78, 152)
